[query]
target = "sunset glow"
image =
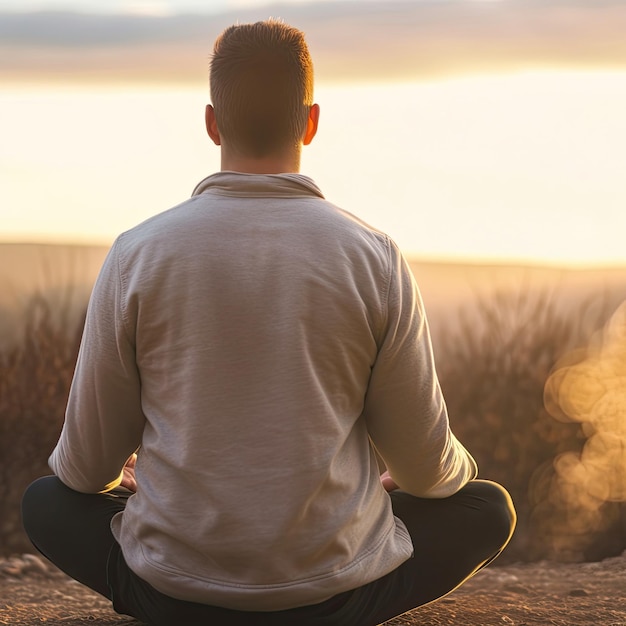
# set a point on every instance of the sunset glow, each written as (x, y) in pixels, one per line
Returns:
(525, 166)
(523, 163)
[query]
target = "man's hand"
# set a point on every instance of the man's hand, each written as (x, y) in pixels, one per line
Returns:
(128, 477)
(388, 483)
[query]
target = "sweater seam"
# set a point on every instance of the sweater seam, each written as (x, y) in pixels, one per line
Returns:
(123, 292)
(385, 292)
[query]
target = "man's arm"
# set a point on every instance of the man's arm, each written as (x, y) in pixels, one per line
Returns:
(104, 420)
(405, 411)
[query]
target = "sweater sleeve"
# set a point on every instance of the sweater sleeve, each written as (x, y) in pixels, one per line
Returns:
(405, 410)
(104, 420)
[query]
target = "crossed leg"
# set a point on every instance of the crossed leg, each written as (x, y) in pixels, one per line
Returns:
(453, 538)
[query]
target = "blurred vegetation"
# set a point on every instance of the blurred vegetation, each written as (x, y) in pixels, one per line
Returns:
(493, 369)
(493, 363)
(35, 376)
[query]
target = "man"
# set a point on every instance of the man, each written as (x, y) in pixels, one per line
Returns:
(256, 346)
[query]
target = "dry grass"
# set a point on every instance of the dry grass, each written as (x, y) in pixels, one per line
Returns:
(35, 376)
(493, 372)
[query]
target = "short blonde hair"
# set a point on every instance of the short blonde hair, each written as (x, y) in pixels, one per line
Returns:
(261, 79)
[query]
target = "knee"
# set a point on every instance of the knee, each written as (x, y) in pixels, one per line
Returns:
(36, 504)
(498, 508)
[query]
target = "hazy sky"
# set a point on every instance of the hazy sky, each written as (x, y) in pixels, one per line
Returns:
(350, 40)
(156, 7)
(464, 128)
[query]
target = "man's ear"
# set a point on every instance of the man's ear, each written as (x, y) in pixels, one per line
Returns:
(311, 124)
(211, 125)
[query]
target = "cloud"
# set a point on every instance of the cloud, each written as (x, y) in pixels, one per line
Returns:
(370, 40)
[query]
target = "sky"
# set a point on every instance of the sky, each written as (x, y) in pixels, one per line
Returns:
(464, 128)
(351, 40)
(115, 6)
(146, 7)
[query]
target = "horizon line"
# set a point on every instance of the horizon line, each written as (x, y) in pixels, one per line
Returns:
(513, 262)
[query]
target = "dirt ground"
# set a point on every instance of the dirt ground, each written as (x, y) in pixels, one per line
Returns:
(542, 594)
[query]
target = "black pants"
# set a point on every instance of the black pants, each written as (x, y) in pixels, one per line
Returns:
(453, 538)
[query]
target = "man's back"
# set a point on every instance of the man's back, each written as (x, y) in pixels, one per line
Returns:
(257, 311)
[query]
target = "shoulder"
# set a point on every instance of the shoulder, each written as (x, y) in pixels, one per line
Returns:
(336, 222)
(155, 236)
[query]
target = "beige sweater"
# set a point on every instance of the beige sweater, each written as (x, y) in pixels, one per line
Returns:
(255, 341)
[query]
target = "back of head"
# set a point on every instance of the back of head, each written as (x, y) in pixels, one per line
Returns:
(261, 87)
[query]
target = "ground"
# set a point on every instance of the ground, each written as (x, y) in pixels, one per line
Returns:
(537, 594)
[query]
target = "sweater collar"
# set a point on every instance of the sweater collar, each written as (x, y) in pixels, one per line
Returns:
(240, 184)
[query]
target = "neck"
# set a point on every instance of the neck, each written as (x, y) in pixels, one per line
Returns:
(273, 164)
